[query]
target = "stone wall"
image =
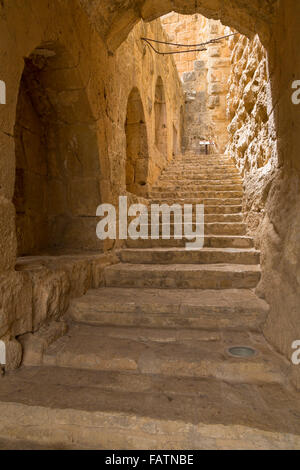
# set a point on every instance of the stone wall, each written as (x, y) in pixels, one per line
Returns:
(205, 79)
(252, 131)
(78, 94)
(263, 135)
(185, 29)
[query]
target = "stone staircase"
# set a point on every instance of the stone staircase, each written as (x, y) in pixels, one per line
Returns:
(146, 361)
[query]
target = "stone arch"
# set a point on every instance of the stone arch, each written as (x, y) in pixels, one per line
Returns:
(161, 118)
(247, 17)
(57, 184)
(137, 152)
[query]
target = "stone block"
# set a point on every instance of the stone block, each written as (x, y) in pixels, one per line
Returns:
(214, 51)
(215, 88)
(199, 65)
(189, 77)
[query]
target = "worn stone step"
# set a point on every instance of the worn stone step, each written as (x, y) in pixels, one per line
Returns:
(195, 194)
(216, 228)
(201, 174)
(206, 201)
(180, 179)
(233, 309)
(199, 188)
(68, 408)
(196, 167)
(224, 210)
(212, 218)
(195, 157)
(183, 256)
(202, 164)
(205, 276)
(167, 352)
(220, 210)
(210, 241)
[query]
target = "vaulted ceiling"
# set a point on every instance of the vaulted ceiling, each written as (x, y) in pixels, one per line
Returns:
(114, 19)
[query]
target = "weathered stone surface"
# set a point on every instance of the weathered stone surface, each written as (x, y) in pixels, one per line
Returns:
(13, 354)
(137, 411)
(183, 276)
(230, 309)
(186, 353)
(182, 256)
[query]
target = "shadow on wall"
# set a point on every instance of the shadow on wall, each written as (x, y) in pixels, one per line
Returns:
(161, 127)
(137, 153)
(57, 187)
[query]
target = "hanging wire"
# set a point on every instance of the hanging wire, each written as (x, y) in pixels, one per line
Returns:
(211, 41)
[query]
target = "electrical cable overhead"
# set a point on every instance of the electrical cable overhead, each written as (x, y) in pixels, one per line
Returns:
(199, 47)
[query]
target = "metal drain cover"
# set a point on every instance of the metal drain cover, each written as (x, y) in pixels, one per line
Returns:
(242, 351)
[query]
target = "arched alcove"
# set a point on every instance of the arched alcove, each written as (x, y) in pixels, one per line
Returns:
(161, 127)
(181, 129)
(57, 186)
(175, 141)
(137, 154)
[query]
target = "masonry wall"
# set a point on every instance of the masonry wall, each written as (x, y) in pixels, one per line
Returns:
(204, 77)
(261, 135)
(252, 130)
(90, 87)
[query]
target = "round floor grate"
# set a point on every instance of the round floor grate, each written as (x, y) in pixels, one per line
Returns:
(242, 351)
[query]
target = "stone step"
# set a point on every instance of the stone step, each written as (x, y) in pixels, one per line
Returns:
(201, 172)
(222, 165)
(180, 179)
(222, 210)
(193, 194)
(202, 164)
(233, 309)
(201, 159)
(205, 276)
(209, 218)
(193, 156)
(198, 188)
(216, 228)
(65, 408)
(202, 167)
(213, 218)
(210, 241)
(175, 353)
(206, 201)
(183, 256)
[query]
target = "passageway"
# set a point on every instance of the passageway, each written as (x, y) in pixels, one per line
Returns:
(140, 342)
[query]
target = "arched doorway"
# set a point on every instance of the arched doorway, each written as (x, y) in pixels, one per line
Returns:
(161, 127)
(137, 154)
(57, 186)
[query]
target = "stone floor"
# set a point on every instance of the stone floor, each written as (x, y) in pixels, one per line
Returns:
(63, 407)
